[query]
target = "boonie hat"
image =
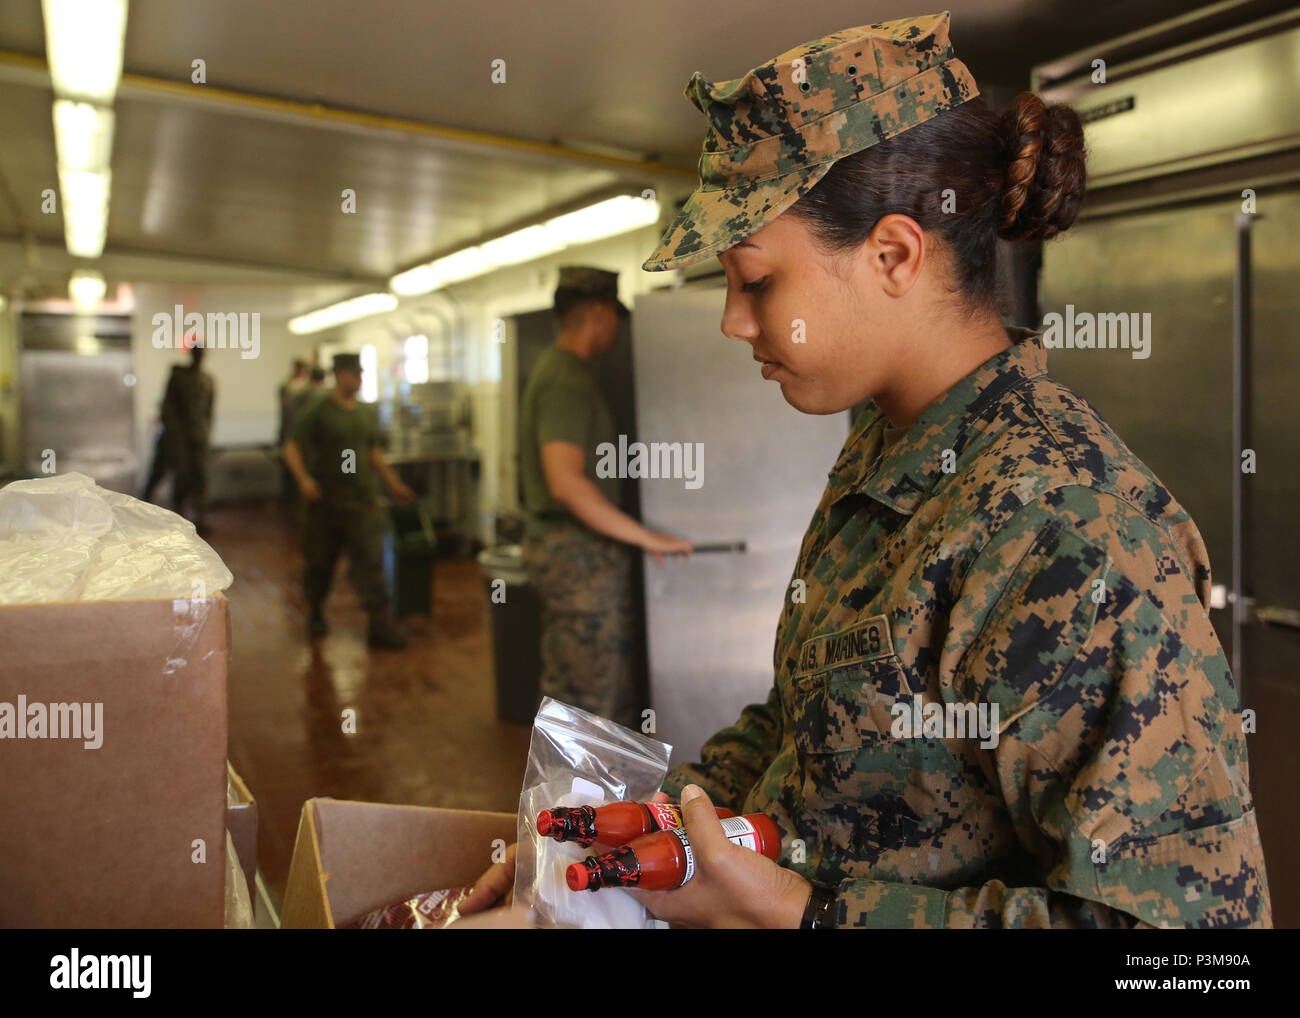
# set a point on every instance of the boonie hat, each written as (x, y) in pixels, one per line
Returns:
(774, 133)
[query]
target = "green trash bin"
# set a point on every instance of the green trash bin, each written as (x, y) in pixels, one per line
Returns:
(410, 549)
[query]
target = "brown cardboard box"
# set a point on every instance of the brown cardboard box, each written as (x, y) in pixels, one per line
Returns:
(353, 857)
(105, 837)
(241, 822)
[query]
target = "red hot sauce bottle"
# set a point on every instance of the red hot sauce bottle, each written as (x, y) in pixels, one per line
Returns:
(611, 825)
(663, 860)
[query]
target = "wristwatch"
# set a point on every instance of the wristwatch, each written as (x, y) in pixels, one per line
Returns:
(819, 913)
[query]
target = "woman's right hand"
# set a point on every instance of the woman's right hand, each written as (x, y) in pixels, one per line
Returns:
(494, 887)
(660, 545)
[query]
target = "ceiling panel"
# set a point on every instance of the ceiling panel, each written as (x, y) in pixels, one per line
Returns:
(27, 163)
(234, 185)
(210, 183)
(577, 70)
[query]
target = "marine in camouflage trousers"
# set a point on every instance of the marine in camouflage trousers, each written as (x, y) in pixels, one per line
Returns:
(584, 583)
(330, 527)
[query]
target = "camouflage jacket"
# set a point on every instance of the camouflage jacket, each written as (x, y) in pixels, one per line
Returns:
(1009, 553)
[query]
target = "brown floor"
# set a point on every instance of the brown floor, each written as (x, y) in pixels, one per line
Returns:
(427, 732)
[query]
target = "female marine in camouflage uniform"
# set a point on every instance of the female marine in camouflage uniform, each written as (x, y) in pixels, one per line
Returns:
(986, 548)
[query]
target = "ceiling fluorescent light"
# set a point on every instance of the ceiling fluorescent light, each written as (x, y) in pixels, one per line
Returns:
(608, 218)
(86, 289)
(83, 47)
(604, 219)
(520, 246)
(430, 276)
(85, 239)
(83, 135)
(461, 265)
(413, 282)
(343, 311)
(85, 211)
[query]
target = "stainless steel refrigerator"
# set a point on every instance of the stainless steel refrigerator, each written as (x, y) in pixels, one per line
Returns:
(1192, 216)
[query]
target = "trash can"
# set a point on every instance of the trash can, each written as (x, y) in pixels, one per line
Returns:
(409, 551)
(516, 615)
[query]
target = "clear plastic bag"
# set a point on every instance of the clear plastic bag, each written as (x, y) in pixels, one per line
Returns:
(579, 759)
(64, 538)
(239, 900)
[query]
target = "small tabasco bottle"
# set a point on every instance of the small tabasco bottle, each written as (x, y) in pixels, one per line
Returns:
(613, 824)
(663, 860)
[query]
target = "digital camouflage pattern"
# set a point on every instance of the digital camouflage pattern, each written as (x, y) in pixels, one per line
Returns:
(584, 583)
(1049, 574)
(775, 132)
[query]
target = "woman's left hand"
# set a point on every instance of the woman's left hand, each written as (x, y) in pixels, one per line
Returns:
(732, 886)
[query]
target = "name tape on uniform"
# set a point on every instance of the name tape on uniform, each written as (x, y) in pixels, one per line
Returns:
(866, 641)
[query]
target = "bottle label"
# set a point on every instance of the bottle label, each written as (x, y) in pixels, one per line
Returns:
(690, 855)
(741, 832)
(666, 815)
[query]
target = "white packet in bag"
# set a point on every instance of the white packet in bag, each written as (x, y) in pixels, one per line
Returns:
(577, 758)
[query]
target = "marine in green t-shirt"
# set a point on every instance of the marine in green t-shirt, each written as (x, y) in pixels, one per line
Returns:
(336, 441)
(579, 543)
(563, 403)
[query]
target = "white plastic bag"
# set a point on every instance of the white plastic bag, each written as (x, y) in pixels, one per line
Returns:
(64, 538)
(579, 759)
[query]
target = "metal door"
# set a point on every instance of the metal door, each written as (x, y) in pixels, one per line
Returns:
(79, 407)
(1175, 410)
(711, 620)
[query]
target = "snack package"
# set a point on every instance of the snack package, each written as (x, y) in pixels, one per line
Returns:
(433, 910)
(579, 759)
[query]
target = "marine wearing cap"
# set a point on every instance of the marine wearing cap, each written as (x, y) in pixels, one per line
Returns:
(581, 576)
(578, 281)
(1117, 791)
(774, 133)
(335, 450)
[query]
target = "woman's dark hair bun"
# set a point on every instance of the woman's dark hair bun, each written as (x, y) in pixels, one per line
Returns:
(1046, 175)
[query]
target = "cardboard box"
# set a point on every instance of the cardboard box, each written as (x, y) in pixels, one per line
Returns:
(353, 857)
(241, 822)
(106, 837)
